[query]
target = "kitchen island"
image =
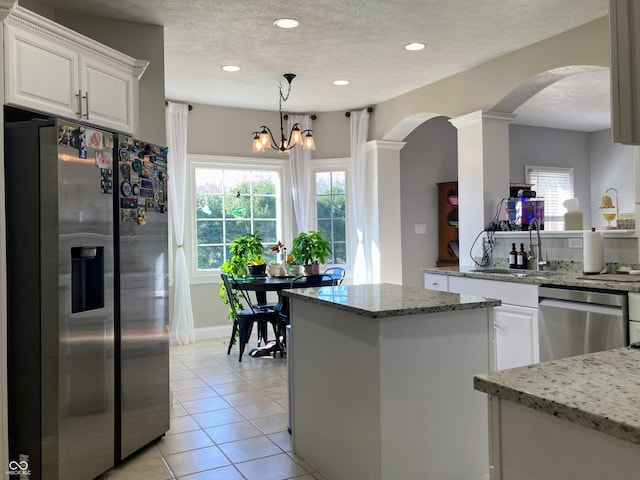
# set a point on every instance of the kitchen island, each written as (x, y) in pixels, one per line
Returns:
(577, 417)
(381, 382)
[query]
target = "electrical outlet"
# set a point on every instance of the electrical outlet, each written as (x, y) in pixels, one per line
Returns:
(420, 228)
(575, 243)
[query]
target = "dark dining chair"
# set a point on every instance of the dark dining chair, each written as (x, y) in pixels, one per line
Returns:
(320, 280)
(244, 318)
(337, 273)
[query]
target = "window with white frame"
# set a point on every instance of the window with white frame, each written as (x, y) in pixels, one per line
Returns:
(331, 208)
(554, 185)
(230, 202)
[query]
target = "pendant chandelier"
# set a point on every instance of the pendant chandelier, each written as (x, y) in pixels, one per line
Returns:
(264, 138)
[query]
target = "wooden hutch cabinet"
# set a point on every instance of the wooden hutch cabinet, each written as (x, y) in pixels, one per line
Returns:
(447, 224)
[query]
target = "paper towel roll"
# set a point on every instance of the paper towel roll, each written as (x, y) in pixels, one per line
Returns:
(593, 252)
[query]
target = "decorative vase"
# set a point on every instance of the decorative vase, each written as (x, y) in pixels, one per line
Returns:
(275, 270)
(308, 269)
(315, 269)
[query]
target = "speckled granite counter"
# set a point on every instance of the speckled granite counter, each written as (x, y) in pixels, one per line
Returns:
(598, 390)
(557, 278)
(386, 300)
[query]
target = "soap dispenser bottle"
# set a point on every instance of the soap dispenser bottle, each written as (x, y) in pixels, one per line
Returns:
(522, 258)
(513, 257)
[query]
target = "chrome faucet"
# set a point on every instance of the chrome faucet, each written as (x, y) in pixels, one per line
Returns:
(540, 263)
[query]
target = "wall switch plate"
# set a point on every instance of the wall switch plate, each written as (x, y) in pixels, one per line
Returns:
(421, 228)
(575, 243)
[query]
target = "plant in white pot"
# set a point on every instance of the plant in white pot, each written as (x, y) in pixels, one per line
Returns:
(310, 249)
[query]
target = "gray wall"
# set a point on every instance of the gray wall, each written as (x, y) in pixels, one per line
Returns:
(611, 166)
(217, 130)
(429, 156)
(552, 148)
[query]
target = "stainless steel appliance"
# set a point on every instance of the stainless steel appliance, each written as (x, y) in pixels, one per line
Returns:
(575, 321)
(72, 356)
(141, 294)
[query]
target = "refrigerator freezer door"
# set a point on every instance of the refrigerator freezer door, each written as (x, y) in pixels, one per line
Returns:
(60, 308)
(86, 310)
(142, 309)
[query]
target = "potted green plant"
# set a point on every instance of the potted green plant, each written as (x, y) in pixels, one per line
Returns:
(310, 248)
(247, 255)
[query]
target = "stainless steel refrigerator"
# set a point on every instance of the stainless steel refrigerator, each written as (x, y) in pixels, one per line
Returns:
(142, 284)
(87, 383)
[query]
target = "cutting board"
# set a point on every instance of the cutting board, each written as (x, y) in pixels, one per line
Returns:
(612, 277)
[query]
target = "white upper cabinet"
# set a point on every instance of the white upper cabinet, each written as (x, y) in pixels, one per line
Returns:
(52, 69)
(624, 18)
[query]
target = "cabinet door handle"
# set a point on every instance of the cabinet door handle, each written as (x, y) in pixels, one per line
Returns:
(79, 97)
(86, 104)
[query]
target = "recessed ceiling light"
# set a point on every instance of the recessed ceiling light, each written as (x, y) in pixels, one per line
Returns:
(415, 46)
(230, 68)
(286, 23)
(341, 82)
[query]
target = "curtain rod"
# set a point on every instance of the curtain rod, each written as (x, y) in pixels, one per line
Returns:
(167, 103)
(286, 116)
(348, 114)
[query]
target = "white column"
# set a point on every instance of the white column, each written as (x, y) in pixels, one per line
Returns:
(383, 235)
(483, 175)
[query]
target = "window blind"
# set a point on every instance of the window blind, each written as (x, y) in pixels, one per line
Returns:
(554, 185)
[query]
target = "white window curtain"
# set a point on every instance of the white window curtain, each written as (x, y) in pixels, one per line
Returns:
(301, 177)
(362, 272)
(182, 330)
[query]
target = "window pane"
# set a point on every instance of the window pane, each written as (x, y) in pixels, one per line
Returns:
(324, 227)
(331, 211)
(210, 257)
(209, 206)
(338, 183)
(264, 183)
(323, 183)
(208, 181)
(264, 207)
(339, 230)
(338, 204)
(237, 207)
(554, 185)
(210, 231)
(236, 228)
(267, 230)
(340, 253)
(323, 206)
(231, 203)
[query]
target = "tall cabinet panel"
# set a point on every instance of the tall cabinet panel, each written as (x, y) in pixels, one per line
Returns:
(447, 224)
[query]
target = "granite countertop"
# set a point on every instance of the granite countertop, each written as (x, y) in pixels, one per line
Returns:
(553, 277)
(597, 390)
(386, 300)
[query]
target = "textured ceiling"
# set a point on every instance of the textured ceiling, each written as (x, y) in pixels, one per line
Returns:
(358, 40)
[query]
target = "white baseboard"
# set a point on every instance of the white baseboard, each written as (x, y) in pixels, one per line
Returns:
(207, 333)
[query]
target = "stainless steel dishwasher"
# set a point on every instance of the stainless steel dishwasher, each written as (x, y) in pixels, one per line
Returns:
(577, 321)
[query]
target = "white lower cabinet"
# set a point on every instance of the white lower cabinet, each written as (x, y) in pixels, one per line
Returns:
(515, 321)
(516, 333)
(433, 281)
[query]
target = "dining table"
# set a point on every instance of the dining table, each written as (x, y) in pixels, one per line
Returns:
(261, 284)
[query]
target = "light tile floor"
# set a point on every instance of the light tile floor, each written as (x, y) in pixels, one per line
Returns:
(228, 421)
